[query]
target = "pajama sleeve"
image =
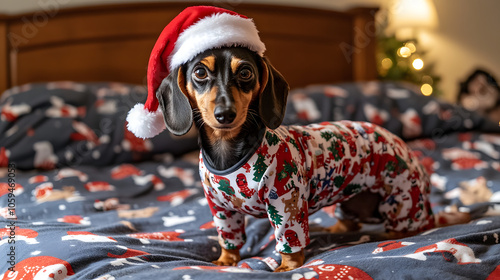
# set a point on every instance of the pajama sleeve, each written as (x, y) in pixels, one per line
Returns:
(286, 200)
(290, 219)
(230, 225)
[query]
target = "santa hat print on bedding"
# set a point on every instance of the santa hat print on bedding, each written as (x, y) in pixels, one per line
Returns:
(193, 31)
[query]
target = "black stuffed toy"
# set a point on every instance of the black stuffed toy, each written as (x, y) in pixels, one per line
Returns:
(481, 93)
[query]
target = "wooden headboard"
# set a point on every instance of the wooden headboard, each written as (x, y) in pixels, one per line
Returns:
(113, 42)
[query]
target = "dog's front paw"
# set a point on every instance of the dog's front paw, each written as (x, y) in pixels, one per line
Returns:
(225, 262)
(228, 258)
(284, 268)
(291, 261)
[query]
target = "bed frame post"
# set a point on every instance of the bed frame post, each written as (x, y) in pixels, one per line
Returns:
(4, 56)
(364, 44)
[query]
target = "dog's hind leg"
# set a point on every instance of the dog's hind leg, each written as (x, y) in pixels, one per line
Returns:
(362, 207)
(343, 226)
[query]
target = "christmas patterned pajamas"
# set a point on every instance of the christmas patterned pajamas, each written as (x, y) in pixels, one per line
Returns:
(297, 170)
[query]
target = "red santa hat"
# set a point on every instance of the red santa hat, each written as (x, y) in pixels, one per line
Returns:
(193, 31)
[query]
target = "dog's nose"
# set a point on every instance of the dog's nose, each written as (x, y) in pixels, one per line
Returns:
(224, 115)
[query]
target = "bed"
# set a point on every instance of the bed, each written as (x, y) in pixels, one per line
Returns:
(81, 197)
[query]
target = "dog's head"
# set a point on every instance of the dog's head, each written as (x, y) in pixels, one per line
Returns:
(222, 85)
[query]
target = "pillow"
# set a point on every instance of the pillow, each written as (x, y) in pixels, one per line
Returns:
(393, 106)
(58, 124)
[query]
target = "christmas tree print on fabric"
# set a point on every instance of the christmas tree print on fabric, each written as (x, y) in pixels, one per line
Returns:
(275, 217)
(259, 168)
(225, 187)
(272, 139)
(289, 168)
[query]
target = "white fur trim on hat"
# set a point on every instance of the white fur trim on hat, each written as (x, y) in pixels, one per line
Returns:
(215, 31)
(143, 123)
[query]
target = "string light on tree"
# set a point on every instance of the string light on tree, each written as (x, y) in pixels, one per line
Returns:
(386, 63)
(426, 89)
(411, 46)
(418, 64)
(404, 52)
(404, 61)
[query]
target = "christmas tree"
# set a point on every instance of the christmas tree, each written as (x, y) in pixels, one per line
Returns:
(288, 170)
(352, 189)
(275, 217)
(259, 168)
(230, 246)
(337, 150)
(287, 249)
(272, 139)
(327, 135)
(338, 181)
(226, 187)
(403, 60)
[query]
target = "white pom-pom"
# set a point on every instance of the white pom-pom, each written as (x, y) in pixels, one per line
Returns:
(143, 123)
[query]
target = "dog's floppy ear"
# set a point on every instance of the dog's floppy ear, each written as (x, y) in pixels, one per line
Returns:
(174, 104)
(273, 95)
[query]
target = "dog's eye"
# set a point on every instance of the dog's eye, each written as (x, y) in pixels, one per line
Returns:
(200, 73)
(245, 74)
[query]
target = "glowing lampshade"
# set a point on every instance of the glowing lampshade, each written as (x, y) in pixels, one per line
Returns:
(413, 14)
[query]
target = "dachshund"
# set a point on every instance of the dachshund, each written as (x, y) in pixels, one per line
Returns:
(251, 164)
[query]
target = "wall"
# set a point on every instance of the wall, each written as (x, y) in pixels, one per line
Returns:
(465, 38)
(21, 6)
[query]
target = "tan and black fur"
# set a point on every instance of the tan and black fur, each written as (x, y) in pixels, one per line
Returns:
(226, 106)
